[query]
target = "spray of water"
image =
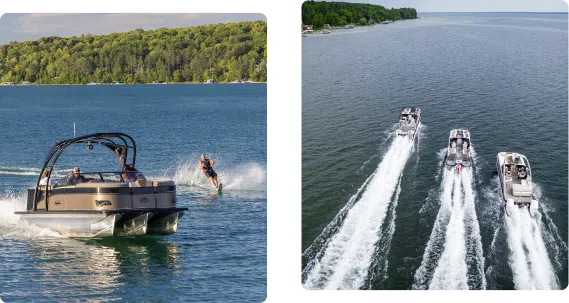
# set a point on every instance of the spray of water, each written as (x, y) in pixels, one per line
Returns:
(249, 176)
(10, 224)
(529, 260)
(344, 260)
(453, 258)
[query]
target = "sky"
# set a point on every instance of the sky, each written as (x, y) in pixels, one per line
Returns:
(473, 5)
(24, 27)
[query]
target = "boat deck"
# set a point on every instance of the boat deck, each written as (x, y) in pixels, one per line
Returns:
(508, 193)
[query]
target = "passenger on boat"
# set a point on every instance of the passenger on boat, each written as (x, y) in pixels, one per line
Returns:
(43, 180)
(129, 177)
(76, 177)
(522, 174)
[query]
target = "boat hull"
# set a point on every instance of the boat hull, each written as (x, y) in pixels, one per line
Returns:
(99, 224)
(518, 201)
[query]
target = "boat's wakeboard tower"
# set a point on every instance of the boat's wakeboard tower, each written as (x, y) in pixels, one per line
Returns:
(122, 145)
(119, 203)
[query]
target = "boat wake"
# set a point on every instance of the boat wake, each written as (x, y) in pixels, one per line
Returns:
(10, 224)
(342, 256)
(245, 177)
(453, 258)
(535, 252)
(528, 259)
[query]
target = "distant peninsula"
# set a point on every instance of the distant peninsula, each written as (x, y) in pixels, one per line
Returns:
(232, 52)
(338, 14)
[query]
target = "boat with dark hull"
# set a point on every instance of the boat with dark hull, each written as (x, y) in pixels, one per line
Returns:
(459, 152)
(516, 181)
(117, 203)
(408, 123)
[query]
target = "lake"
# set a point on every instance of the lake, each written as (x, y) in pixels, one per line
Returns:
(219, 252)
(503, 76)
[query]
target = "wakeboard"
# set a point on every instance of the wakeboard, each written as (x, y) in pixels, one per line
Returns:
(219, 188)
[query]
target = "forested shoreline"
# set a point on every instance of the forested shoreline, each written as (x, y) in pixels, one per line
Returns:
(318, 13)
(224, 52)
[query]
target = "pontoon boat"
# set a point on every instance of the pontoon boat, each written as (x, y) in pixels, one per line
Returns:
(515, 181)
(459, 152)
(118, 203)
(409, 120)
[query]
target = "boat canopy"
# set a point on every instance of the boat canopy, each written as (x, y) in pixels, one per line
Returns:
(121, 144)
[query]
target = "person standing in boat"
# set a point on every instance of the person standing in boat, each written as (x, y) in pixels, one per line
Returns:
(206, 165)
(76, 177)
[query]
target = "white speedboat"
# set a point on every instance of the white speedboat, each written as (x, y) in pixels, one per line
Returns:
(307, 32)
(459, 151)
(409, 120)
(515, 181)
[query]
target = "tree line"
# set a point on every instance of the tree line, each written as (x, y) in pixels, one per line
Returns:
(342, 13)
(224, 52)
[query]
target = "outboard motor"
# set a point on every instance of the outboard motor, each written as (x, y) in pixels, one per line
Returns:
(533, 208)
(458, 166)
(509, 206)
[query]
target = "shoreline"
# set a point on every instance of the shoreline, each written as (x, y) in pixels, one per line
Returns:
(111, 84)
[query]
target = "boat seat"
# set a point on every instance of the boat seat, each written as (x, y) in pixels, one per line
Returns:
(522, 190)
(465, 148)
(453, 150)
(139, 183)
(163, 183)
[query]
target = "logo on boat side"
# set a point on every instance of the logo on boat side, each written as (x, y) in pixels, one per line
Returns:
(143, 200)
(100, 203)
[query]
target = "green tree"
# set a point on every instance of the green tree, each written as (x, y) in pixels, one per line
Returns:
(193, 54)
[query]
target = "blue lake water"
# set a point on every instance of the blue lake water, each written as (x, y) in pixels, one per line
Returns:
(219, 252)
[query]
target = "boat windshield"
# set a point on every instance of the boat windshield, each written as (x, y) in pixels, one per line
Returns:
(100, 177)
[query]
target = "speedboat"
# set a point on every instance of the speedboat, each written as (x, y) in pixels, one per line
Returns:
(102, 204)
(325, 31)
(459, 152)
(515, 181)
(409, 120)
(307, 32)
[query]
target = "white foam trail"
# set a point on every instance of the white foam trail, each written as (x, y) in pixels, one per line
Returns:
(529, 260)
(455, 240)
(314, 251)
(10, 224)
(474, 238)
(247, 176)
(451, 271)
(348, 254)
(19, 173)
(18, 168)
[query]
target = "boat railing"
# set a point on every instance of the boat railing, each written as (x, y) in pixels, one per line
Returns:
(104, 177)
